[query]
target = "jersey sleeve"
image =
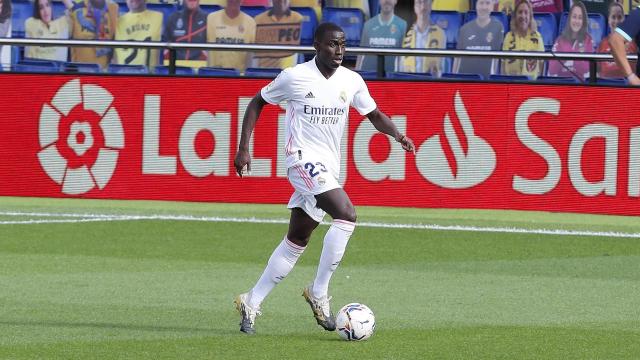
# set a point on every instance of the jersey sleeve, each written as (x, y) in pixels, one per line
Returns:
(362, 100)
(279, 89)
(630, 27)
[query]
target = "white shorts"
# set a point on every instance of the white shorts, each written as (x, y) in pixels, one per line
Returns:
(310, 178)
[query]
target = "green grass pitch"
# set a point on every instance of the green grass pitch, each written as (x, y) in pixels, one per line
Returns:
(163, 289)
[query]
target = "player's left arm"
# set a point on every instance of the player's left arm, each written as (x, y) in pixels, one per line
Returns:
(383, 124)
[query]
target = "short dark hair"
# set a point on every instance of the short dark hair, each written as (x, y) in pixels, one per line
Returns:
(36, 9)
(324, 28)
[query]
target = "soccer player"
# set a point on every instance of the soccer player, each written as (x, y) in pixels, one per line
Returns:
(318, 94)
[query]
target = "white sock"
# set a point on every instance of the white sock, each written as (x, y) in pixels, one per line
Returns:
(282, 260)
(334, 244)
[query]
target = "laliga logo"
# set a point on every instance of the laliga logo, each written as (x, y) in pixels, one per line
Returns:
(473, 167)
(80, 135)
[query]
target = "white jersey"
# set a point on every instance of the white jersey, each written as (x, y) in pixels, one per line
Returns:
(317, 110)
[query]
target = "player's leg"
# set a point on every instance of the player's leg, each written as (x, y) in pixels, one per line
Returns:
(337, 204)
(285, 256)
(281, 262)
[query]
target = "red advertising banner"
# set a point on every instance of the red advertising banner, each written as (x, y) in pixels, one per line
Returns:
(487, 146)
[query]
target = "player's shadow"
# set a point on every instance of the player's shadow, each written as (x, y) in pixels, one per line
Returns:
(121, 326)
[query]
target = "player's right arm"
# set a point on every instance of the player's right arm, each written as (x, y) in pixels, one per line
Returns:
(251, 115)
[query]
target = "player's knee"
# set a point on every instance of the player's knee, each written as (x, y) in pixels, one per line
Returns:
(298, 240)
(349, 214)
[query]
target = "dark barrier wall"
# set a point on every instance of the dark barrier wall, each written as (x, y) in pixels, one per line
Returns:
(490, 146)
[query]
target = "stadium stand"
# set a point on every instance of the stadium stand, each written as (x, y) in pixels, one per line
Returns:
(309, 24)
(500, 16)
(206, 8)
(262, 72)
(597, 26)
(253, 11)
(408, 75)
(127, 69)
(548, 28)
(611, 81)
(450, 22)
(180, 70)
(461, 76)
(165, 9)
(27, 65)
(457, 5)
(79, 67)
(368, 74)
(351, 20)
(558, 79)
(214, 71)
(22, 10)
(503, 77)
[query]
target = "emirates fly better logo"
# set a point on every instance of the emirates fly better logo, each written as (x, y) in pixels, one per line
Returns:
(80, 136)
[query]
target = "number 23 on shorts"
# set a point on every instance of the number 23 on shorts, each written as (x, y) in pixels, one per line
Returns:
(314, 169)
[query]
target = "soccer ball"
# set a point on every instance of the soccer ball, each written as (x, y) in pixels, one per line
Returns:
(355, 322)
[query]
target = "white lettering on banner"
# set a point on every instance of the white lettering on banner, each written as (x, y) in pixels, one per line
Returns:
(260, 167)
(393, 167)
(218, 126)
(473, 167)
(152, 161)
(580, 138)
(634, 162)
(537, 145)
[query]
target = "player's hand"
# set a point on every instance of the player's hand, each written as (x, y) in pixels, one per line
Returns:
(407, 143)
(242, 162)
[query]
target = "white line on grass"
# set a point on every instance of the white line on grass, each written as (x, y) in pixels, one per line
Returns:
(80, 218)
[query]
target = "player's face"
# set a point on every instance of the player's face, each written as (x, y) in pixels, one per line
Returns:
(484, 8)
(576, 19)
(616, 16)
(136, 5)
(330, 51)
(523, 17)
(44, 6)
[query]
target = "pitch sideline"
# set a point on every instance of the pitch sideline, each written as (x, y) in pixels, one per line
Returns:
(82, 218)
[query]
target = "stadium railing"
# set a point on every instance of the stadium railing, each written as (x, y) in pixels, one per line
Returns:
(380, 53)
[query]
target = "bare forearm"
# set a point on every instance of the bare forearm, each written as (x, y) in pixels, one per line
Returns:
(383, 124)
(249, 122)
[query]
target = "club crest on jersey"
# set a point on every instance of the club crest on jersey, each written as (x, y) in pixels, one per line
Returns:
(321, 181)
(343, 96)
